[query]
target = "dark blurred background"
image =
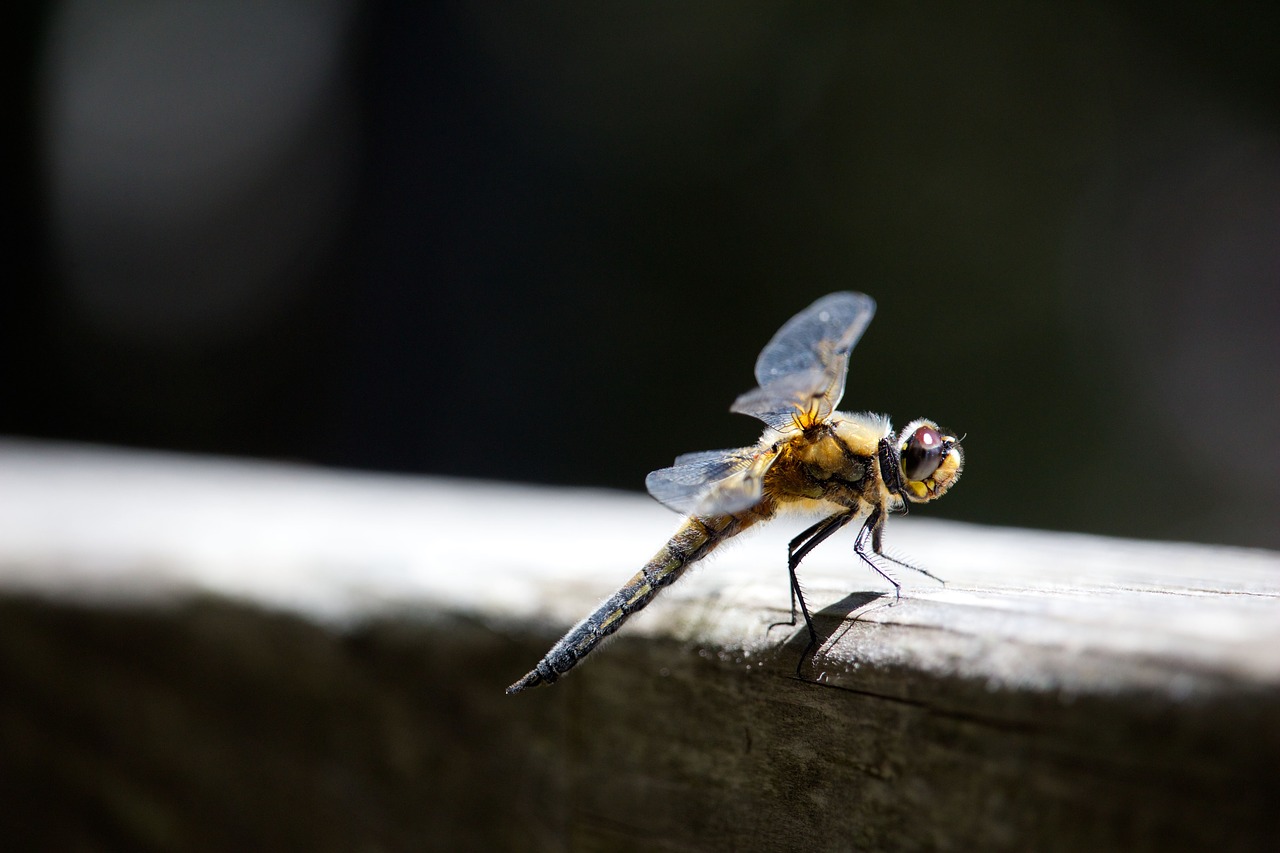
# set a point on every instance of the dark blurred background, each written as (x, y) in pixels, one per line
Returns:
(545, 243)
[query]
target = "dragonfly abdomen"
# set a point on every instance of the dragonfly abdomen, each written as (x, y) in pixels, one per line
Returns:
(693, 541)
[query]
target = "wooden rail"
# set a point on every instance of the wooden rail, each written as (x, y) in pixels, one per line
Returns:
(212, 654)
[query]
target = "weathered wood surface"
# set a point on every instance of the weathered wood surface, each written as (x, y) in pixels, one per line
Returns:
(208, 654)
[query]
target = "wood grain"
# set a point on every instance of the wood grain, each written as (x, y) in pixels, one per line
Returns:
(203, 654)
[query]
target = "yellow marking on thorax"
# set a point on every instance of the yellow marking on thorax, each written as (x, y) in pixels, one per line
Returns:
(825, 454)
(859, 436)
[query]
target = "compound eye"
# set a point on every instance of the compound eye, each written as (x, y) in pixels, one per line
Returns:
(922, 454)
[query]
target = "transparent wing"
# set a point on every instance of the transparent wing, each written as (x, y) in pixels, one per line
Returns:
(802, 370)
(815, 338)
(712, 482)
(792, 401)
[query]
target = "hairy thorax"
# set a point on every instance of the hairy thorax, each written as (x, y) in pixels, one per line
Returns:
(833, 464)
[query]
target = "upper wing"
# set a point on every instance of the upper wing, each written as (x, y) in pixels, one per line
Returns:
(802, 370)
(712, 482)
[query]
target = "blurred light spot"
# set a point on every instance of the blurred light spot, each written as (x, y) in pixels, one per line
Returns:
(197, 154)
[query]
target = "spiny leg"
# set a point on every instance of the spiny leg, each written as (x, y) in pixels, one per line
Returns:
(877, 545)
(872, 530)
(797, 550)
(793, 561)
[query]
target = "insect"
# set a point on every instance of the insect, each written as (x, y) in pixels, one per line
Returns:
(848, 467)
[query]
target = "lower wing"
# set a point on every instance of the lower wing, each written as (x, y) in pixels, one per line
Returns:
(712, 482)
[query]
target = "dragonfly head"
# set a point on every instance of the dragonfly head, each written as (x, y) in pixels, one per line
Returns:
(929, 459)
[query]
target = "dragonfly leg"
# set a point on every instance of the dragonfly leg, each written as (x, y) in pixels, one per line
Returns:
(791, 564)
(877, 546)
(797, 550)
(872, 531)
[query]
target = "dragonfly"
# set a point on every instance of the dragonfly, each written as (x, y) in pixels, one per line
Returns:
(842, 466)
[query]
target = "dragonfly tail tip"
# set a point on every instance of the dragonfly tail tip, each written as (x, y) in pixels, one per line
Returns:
(530, 680)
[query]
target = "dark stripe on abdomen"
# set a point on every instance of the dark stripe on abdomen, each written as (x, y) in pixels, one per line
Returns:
(696, 538)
